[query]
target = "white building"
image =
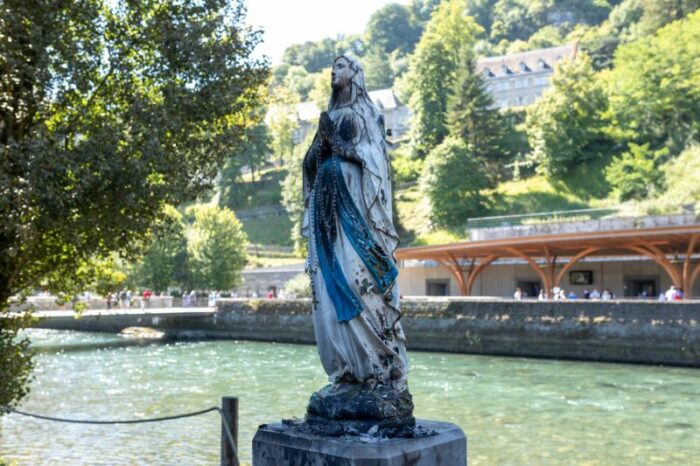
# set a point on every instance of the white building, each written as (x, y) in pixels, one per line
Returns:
(519, 79)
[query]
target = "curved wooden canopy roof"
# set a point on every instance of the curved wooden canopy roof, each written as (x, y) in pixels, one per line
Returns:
(664, 245)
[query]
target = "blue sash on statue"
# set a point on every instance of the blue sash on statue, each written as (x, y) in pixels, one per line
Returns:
(334, 206)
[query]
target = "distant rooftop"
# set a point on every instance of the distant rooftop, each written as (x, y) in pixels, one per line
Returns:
(524, 62)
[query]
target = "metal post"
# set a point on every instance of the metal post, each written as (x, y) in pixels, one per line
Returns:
(229, 405)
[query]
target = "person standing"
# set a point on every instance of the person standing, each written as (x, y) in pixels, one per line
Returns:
(518, 295)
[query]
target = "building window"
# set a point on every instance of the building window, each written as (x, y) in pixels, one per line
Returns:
(437, 287)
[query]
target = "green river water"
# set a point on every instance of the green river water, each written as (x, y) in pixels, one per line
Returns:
(515, 411)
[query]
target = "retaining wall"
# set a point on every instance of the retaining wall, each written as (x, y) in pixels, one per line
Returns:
(625, 331)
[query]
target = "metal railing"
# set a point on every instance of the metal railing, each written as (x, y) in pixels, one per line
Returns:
(540, 217)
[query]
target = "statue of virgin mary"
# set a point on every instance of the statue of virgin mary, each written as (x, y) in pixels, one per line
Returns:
(351, 241)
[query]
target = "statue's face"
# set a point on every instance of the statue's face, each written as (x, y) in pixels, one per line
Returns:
(341, 74)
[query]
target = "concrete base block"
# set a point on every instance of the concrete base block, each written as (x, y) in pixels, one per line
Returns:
(277, 445)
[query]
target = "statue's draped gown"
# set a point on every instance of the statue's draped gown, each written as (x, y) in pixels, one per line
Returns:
(348, 222)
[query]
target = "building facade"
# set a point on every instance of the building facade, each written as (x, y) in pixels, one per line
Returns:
(519, 79)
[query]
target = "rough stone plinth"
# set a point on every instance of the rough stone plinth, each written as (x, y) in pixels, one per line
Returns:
(278, 445)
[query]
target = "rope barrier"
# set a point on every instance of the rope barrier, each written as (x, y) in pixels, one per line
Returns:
(225, 422)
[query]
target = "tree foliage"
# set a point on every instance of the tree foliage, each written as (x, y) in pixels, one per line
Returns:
(282, 122)
(292, 192)
(393, 27)
(377, 68)
(312, 56)
(16, 361)
(252, 155)
(472, 117)
(655, 86)
(109, 275)
(216, 245)
(568, 126)
(453, 181)
(636, 174)
(631, 20)
(448, 37)
(108, 111)
(680, 175)
(165, 261)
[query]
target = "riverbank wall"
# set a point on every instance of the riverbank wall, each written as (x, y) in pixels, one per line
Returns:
(614, 331)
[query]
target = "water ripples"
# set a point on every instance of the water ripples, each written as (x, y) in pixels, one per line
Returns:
(514, 410)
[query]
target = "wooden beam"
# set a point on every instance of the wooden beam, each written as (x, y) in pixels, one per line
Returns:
(475, 272)
(662, 261)
(687, 273)
(543, 276)
(691, 282)
(453, 265)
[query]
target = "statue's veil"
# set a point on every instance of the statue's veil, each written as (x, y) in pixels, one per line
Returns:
(360, 102)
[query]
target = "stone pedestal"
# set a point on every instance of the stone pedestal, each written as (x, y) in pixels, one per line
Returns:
(440, 444)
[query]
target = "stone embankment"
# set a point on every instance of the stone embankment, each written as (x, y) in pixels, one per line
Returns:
(625, 331)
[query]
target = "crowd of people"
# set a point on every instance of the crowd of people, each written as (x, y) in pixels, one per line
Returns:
(559, 294)
(672, 294)
(125, 299)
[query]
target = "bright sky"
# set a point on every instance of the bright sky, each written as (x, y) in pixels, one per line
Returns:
(287, 22)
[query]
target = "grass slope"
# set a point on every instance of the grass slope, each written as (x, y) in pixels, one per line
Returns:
(275, 230)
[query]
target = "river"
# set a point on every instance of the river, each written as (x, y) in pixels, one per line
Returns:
(515, 411)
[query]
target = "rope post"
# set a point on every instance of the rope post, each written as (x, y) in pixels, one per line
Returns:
(229, 407)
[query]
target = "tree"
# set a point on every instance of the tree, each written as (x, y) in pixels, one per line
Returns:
(166, 254)
(655, 87)
(568, 126)
(312, 56)
(253, 154)
(109, 276)
(299, 81)
(677, 172)
(548, 36)
(636, 174)
(292, 193)
(602, 41)
(512, 21)
(282, 122)
(629, 21)
(481, 11)
(393, 27)
(423, 9)
(216, 244)
(377, 67)
(473, 118)
(16, 361)
(109, 111)
(321, 92)
(453, 181)
(447, 38)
